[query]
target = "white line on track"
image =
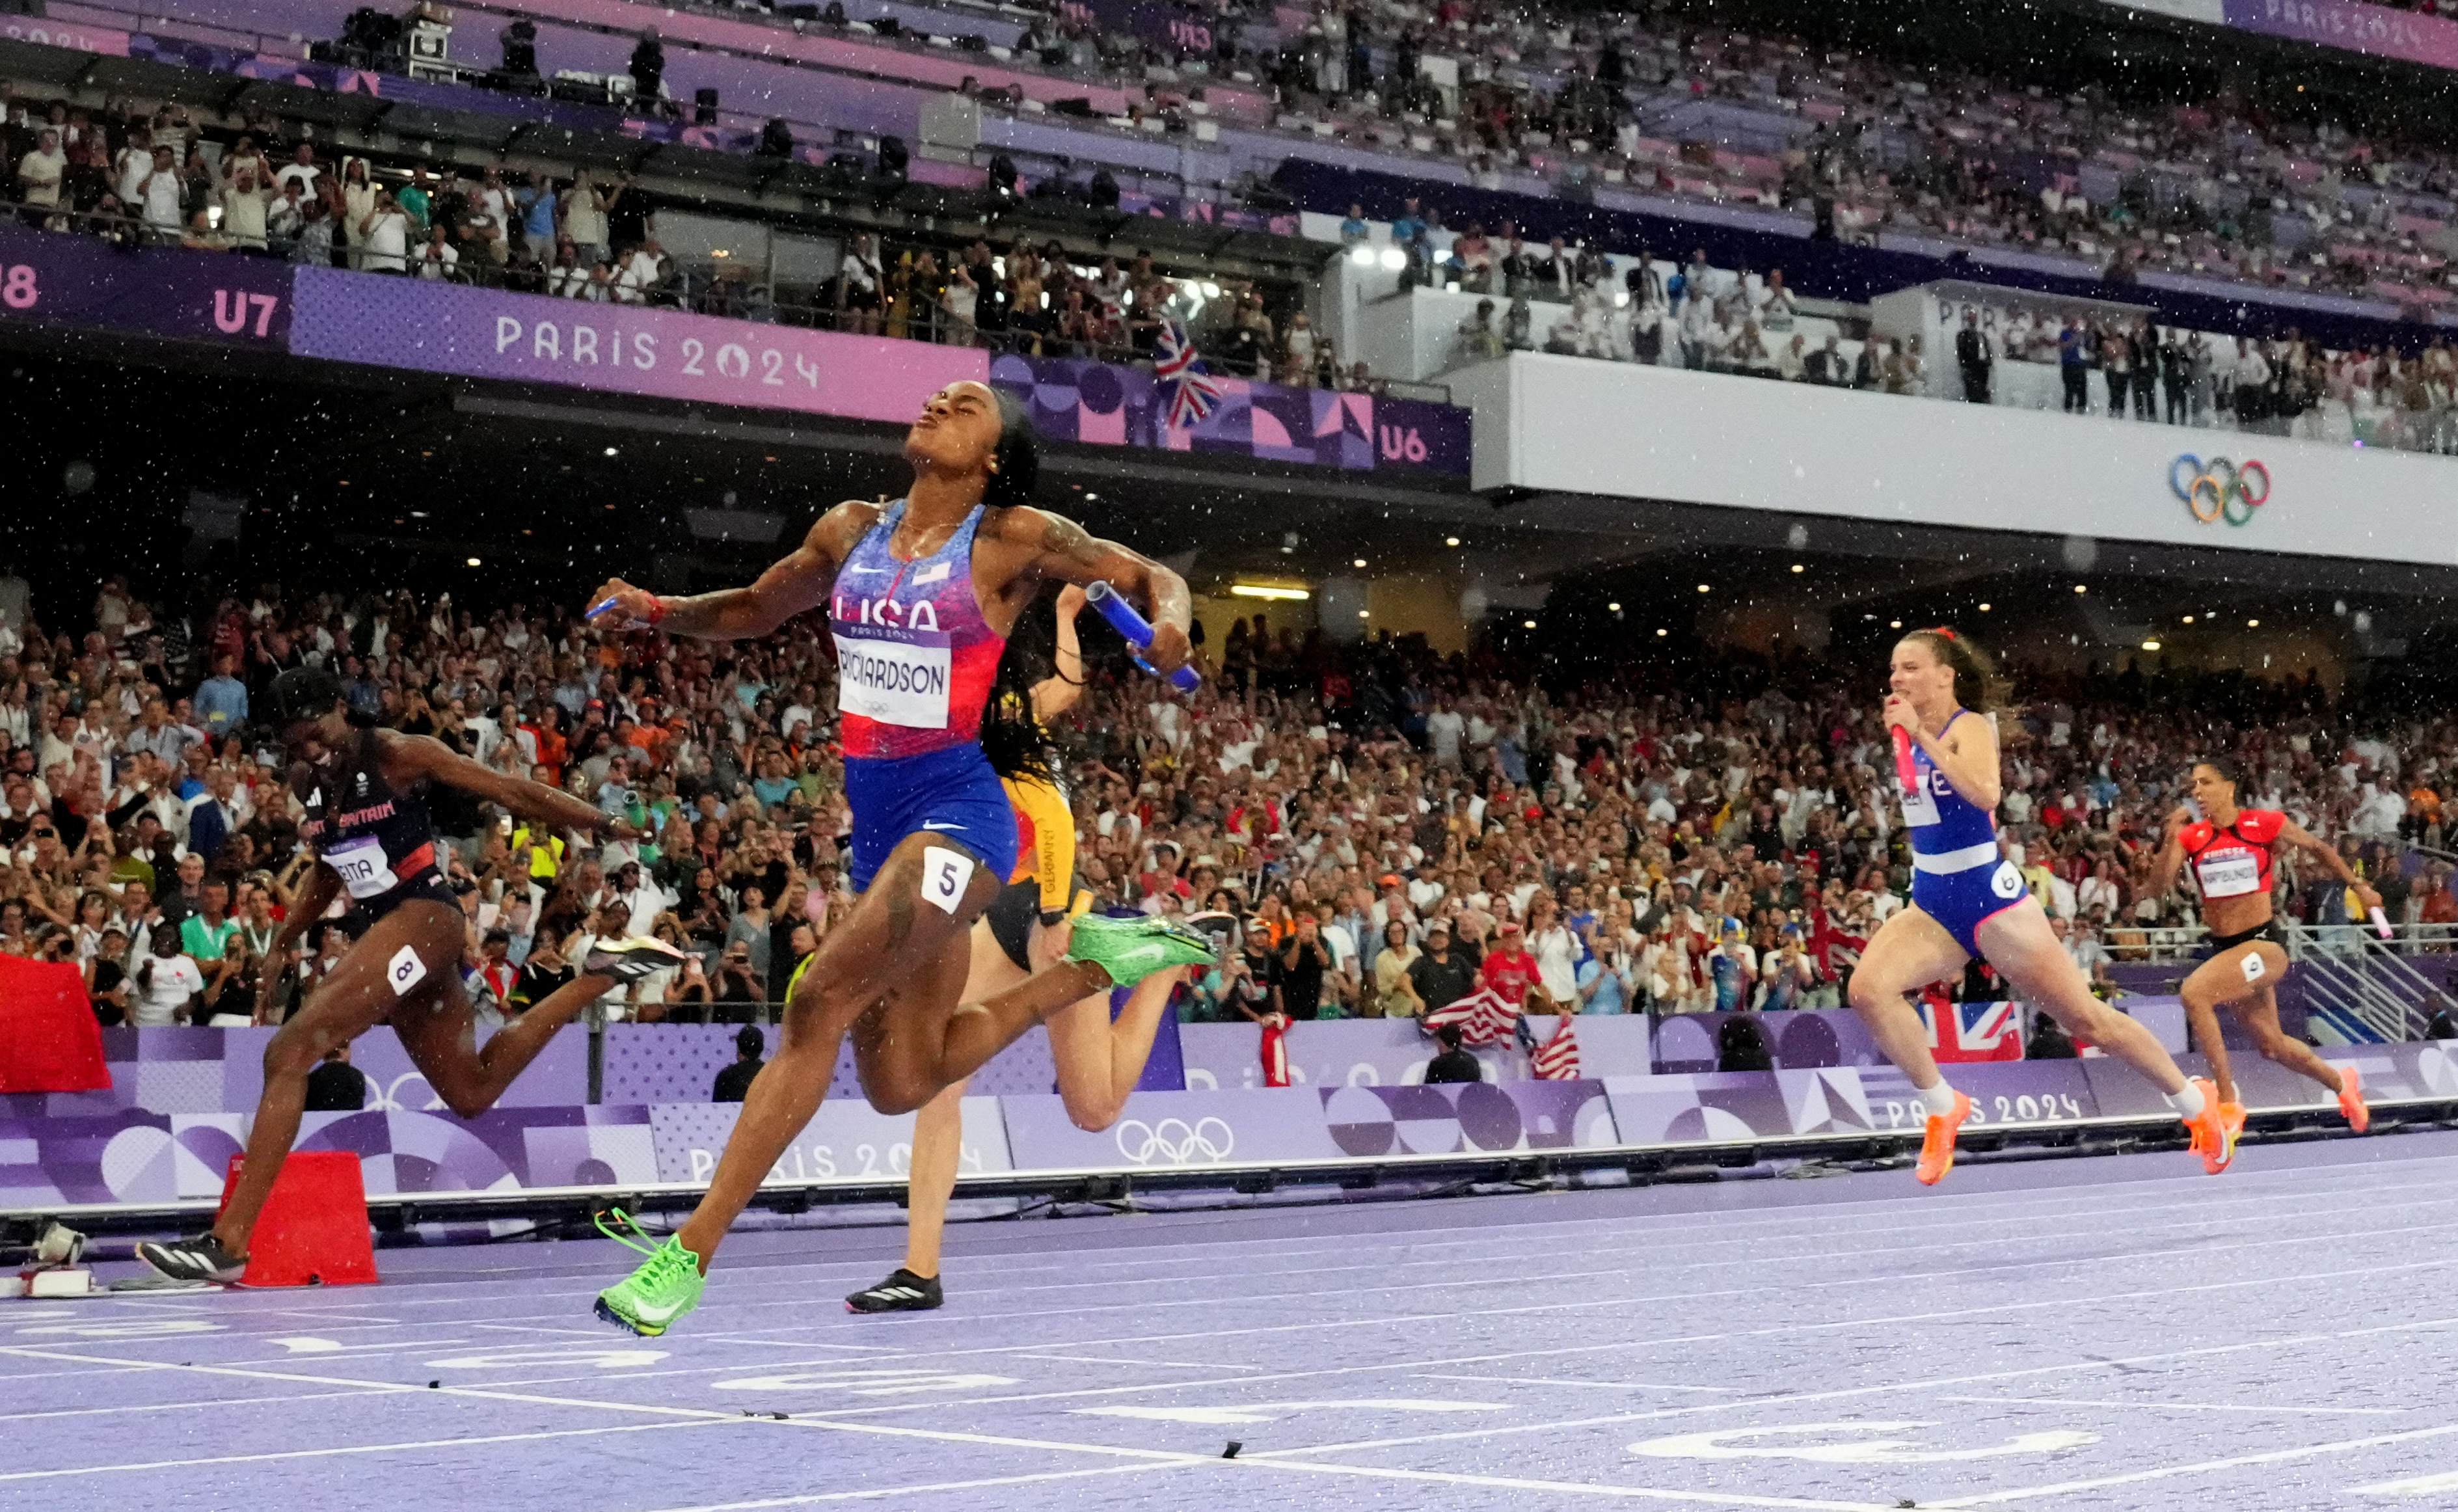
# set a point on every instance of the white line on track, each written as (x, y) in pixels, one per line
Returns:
(1285, 1460)
(358, 1448)
(2198, 1467)
(1612, 1385)
(1796, 1399)
(1825, 1230)
(2275, 1410)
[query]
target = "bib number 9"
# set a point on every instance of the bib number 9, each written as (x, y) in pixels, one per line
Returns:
(943, 876)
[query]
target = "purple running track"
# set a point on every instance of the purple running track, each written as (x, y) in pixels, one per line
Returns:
(2113, 1332)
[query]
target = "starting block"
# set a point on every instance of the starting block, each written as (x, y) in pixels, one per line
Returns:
(314, 1228)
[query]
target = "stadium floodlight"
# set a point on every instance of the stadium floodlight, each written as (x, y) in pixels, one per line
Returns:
(1362, 254)
(1394, 259)
(1276, 591)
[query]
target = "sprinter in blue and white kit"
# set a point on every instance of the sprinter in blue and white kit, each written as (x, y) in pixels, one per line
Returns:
(1969, 901)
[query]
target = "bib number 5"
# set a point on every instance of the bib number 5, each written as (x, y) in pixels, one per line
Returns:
(943, 876)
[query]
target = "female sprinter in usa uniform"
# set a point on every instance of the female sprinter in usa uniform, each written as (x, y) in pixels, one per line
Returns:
(920, 596)
(1099, 1060)
(1969, 901)
(2232, 852)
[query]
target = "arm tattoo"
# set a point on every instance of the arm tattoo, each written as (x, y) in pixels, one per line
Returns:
(1064, 537)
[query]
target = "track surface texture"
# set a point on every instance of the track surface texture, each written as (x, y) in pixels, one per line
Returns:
(2119, 1332)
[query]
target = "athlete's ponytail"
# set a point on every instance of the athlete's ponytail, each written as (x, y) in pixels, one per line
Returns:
(1013, 740)
(1977, 684)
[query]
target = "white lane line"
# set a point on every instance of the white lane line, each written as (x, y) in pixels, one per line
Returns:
(2198, 1467)
(1795, 1399)
(2276, 1411)
(1614, 1385)
(696, 1417)
(1168, 1364)
(1822, 1231)
(356, 1448)
(175, 1406)
(1685, 1297)
(2095, 1300)
(2411, 1485)
(881, 1492)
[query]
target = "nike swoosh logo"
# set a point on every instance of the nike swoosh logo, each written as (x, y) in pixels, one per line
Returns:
(934, 824)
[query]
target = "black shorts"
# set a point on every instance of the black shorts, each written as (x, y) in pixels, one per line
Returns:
(1011, 916)
(2268, 929)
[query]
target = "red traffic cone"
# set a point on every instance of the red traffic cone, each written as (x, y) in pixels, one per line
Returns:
(314, 1226)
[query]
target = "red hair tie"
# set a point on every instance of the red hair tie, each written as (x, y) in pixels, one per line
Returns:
(1943, 631)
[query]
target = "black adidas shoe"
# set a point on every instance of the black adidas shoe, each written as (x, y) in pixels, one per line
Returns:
(630, 960)
(902, 1292)
(198, 1259)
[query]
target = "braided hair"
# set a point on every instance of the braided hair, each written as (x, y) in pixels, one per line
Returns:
(1013, 740)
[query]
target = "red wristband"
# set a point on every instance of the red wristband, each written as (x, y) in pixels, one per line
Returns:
(657, 610)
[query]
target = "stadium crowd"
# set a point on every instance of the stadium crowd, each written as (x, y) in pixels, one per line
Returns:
(1375, 829)
(159, 177)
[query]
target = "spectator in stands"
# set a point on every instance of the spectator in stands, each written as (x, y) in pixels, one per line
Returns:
(41, 172)
(1453, 1066)
(583, 213)
(158, 194)
(734, 1081)
(648, 70)
(437, 258)
(166, 982)
(1974, 357)
(335, 1085)
(384, 235)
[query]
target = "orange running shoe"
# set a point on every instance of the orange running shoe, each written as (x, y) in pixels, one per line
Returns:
(2231, 1114)
(2213, 1138)
(1937, 1141)
(2351, 1099)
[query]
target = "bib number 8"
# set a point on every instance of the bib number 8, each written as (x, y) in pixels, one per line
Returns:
(943, 876)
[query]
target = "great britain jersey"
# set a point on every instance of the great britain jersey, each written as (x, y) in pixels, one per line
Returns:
(915, 658)
(378, 839)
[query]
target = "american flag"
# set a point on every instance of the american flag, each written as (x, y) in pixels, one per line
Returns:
(1485, 1016)
(1192, 391)
(1973, 1032)
(1557, 1059)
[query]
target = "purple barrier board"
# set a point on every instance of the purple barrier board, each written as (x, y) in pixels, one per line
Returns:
(1392, 1052)
(1172, 1129)
(1370, 1121)
(52, 279)
(435, 327)
(1798, 1039)
(1076, 400)
(2368, 28)
(58, 31)
(134, 1156)
(54, 1156)
(846, 1142)
(184, 1070)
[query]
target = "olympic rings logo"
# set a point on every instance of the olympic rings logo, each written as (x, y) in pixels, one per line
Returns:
(1173, 1143)
(2218, 488)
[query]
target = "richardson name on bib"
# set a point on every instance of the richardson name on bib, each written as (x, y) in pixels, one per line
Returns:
(894, 676)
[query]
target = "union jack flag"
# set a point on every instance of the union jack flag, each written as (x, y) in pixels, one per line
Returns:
(1557, 1059)
(1485, 1016)
(1192, 391)
(1973, 1032)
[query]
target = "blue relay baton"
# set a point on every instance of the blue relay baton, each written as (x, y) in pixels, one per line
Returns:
(1136, 631)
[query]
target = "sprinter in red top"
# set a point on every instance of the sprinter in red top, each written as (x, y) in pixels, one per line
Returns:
(2233, 854)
